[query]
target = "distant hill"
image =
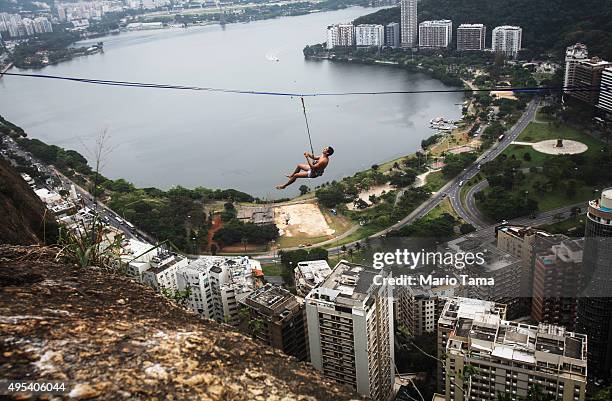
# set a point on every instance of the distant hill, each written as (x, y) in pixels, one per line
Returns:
(548, 25)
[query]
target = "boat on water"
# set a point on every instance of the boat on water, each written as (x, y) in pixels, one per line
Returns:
(440, 123)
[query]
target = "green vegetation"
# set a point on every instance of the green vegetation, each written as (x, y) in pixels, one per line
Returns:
(238, 232)
(435, 181)
(440, 227)
(572, 227)
(523, 180)
(548, 24)
(454, 164)
(45, 49)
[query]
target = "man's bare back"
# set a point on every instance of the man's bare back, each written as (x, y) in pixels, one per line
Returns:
(309, 169)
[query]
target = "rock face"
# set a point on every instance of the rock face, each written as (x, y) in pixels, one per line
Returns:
(23, 220)
(114, 339)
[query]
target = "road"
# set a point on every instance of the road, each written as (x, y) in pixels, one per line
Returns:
(108, 216)
(473, 213)
(544, 218)
(470, 213)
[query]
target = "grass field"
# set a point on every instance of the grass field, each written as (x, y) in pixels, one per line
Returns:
(572, 225)
(435, 181)
(555, 198)
(272, 269)
(536, 132)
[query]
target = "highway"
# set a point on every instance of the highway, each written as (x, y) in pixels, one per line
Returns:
(469, 212)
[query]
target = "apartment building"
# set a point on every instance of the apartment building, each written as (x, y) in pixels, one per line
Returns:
(162, 271)
(556, 283)
(471, 37)
(435, 34)
(370, 35)
(524, 242)
(605, 94)
(350, 329)
(504, 269)
(340, 35)
(418, 308)
(587, 75)
(278, 318)
(392, 35)
(507, 357)
(573, 55)
(309, 274)
(216, 284)
(409, 24)
(507, 39)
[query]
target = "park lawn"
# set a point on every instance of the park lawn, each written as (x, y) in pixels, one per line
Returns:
(542, 118)
(359, 234)
(557, 197)
(536, 132)
(573, 224)
(272, 269)
(443, 207)
(435, 181)
(457, 138)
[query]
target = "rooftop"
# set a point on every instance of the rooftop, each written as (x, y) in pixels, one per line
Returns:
(349, 284)
(483, 324)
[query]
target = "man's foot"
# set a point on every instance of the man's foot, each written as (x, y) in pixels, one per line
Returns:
(280, 187)
(289, 175)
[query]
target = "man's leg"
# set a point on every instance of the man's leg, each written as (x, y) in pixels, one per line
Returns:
(298, 168)
(295, 176)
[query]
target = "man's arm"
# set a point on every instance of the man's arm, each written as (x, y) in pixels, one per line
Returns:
(310, 155)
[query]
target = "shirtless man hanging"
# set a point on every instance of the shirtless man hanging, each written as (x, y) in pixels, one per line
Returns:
(310, 169)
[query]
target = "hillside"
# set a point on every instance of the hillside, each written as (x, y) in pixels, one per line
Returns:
(21, 212)
(547, 24)
(116, 339)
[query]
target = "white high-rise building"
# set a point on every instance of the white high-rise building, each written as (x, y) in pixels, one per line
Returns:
(340, 35)
(350, 329)
(42, 25)
(506, 357)
(471, 37)
(162, 272)
(507, 39)
(605, 95)
(573, 55)
(216, 284)
(435, 34)
(370, 35)
(409, 23)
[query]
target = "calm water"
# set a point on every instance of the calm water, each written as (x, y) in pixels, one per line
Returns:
(164, 138)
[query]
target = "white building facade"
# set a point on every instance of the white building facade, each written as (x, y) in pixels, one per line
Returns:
(340, 35)
(216, 284)
(350, 330)
(507, 39)
(435, 34)
(573, 55)
(370, 35)
(605, 95)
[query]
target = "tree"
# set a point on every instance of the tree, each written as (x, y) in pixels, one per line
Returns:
(527, 156)
(304, 189)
